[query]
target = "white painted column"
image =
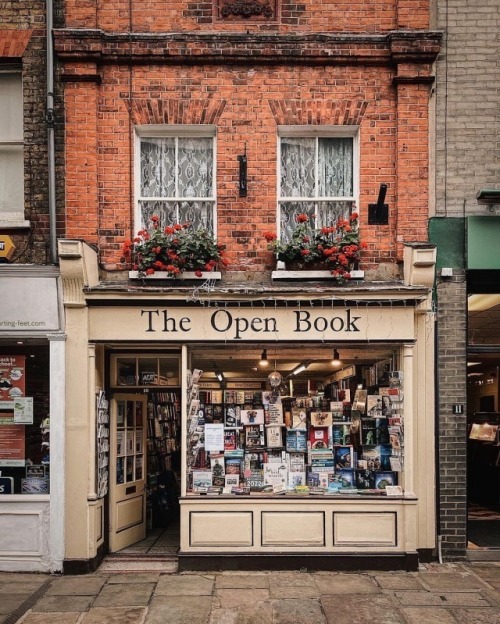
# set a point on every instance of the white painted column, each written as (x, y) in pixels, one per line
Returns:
(92, 494)
(184, 407)
(409, 422)
(57, 382)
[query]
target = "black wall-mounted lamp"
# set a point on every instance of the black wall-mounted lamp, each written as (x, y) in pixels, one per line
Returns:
(378, 214)
(242, 159)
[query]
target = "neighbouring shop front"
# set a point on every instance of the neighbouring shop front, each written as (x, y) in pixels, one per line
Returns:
(32, 368)
(282, 427)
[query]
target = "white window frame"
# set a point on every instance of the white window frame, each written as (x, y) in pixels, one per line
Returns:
(159, 131)
(15, 219)
(319, 132)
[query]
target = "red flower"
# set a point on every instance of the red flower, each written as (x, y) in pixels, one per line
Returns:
(155, 219)
(302, 218)
(305, 252)
(305, 239)
(270, 236)
(354, 216)
(150, 271)
(169, 230)
(137, 239)
(363, 245)
(177, 227)
(198, 273)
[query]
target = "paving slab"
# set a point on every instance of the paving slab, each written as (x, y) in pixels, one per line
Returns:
(17, 586)
(247, 614)
(50, 618)
(114, 615)
(125, 595)
(232, 598)
(243, 581)
(459, 581)
(185, 585)
(478, 616)
(346, 584)
(306, 591)
(135, 578)
(487, 572)
(305, 611)
(361, 609)
(292, 579)
(179, 610)
(398, 581)
(441, 599)
(10, 602)
(61, 604)
(428, 615)
(76, 586)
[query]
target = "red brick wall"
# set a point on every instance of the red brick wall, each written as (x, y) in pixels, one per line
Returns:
(247, 86)
(292, 16)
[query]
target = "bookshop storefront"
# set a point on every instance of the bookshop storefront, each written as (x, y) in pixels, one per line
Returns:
(31, 420)
(290, 420)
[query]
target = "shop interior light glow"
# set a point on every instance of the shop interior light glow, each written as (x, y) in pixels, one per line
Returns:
(263, 359)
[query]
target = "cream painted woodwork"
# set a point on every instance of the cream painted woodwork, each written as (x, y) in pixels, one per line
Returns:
(333, 525)
(127, 487)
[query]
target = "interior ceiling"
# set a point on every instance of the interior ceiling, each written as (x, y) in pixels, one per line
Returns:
(242, 361)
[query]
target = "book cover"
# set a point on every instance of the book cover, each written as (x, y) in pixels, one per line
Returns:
(377, 457)
(240, 397)
(299, 418)
(255, 480)
(341, 435)
(274, 436)
(296, 462)
(365, 479)
(232, 466)
(254, 436)
(202, 480)
(217, 464)
(383, 479)
(232, 416)
(359, 402)
(374, 405)
(368, 431)
(252, 416)
(345, 478)
(344, 457)
(337, 409)
(253, 461)
(230, 440)
(229, 396)
(231, 480)
(275, 474)
(296, 478)
(274, 413)
(296, 440)
(382, 435)
(318, 437)
(217, 413)
(321, 419)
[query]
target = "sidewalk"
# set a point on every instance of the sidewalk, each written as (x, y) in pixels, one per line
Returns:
(437, 594)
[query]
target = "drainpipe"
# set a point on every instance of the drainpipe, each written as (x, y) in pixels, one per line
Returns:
(49, 118)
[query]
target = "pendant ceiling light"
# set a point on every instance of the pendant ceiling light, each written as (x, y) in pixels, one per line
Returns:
(336, 359)
(275, 378)
(263, 359)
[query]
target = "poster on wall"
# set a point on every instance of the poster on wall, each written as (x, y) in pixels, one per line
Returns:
(12, 377)
(12, 445)
(23, 410)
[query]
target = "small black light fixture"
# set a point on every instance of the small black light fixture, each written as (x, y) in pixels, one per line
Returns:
(378, 214)
(336, 362)
(243, 187)
(263, 359)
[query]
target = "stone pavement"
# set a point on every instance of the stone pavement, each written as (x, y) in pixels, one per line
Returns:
(452, 593)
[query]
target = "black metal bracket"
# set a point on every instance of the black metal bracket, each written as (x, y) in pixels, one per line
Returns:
(378, 214)
(243, 187)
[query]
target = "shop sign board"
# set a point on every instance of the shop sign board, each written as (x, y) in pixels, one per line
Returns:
(7, 247)
(29, 304)
(251, 324)
(6, 485)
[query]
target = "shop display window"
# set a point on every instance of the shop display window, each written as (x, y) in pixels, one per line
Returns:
(24, 422)
(145, 370)
(265, 440)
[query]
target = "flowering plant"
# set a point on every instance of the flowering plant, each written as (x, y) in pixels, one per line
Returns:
(335, 247)
(173, 249)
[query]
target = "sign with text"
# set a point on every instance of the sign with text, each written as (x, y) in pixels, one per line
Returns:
(12, 445)
(241, 324)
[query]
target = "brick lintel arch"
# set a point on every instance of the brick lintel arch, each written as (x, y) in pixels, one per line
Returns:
(315, 112)
(169, 111)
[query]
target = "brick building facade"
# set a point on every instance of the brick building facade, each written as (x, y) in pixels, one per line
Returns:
(328, 102)
(467, 161)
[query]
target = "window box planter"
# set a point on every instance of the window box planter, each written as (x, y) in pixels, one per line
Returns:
(184, 276)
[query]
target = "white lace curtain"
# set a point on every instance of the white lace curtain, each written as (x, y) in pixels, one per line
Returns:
(316, 179)
(176, 180)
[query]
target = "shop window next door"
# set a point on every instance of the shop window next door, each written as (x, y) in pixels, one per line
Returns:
(127, 493)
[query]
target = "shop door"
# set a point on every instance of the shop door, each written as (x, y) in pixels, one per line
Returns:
(127, 493)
